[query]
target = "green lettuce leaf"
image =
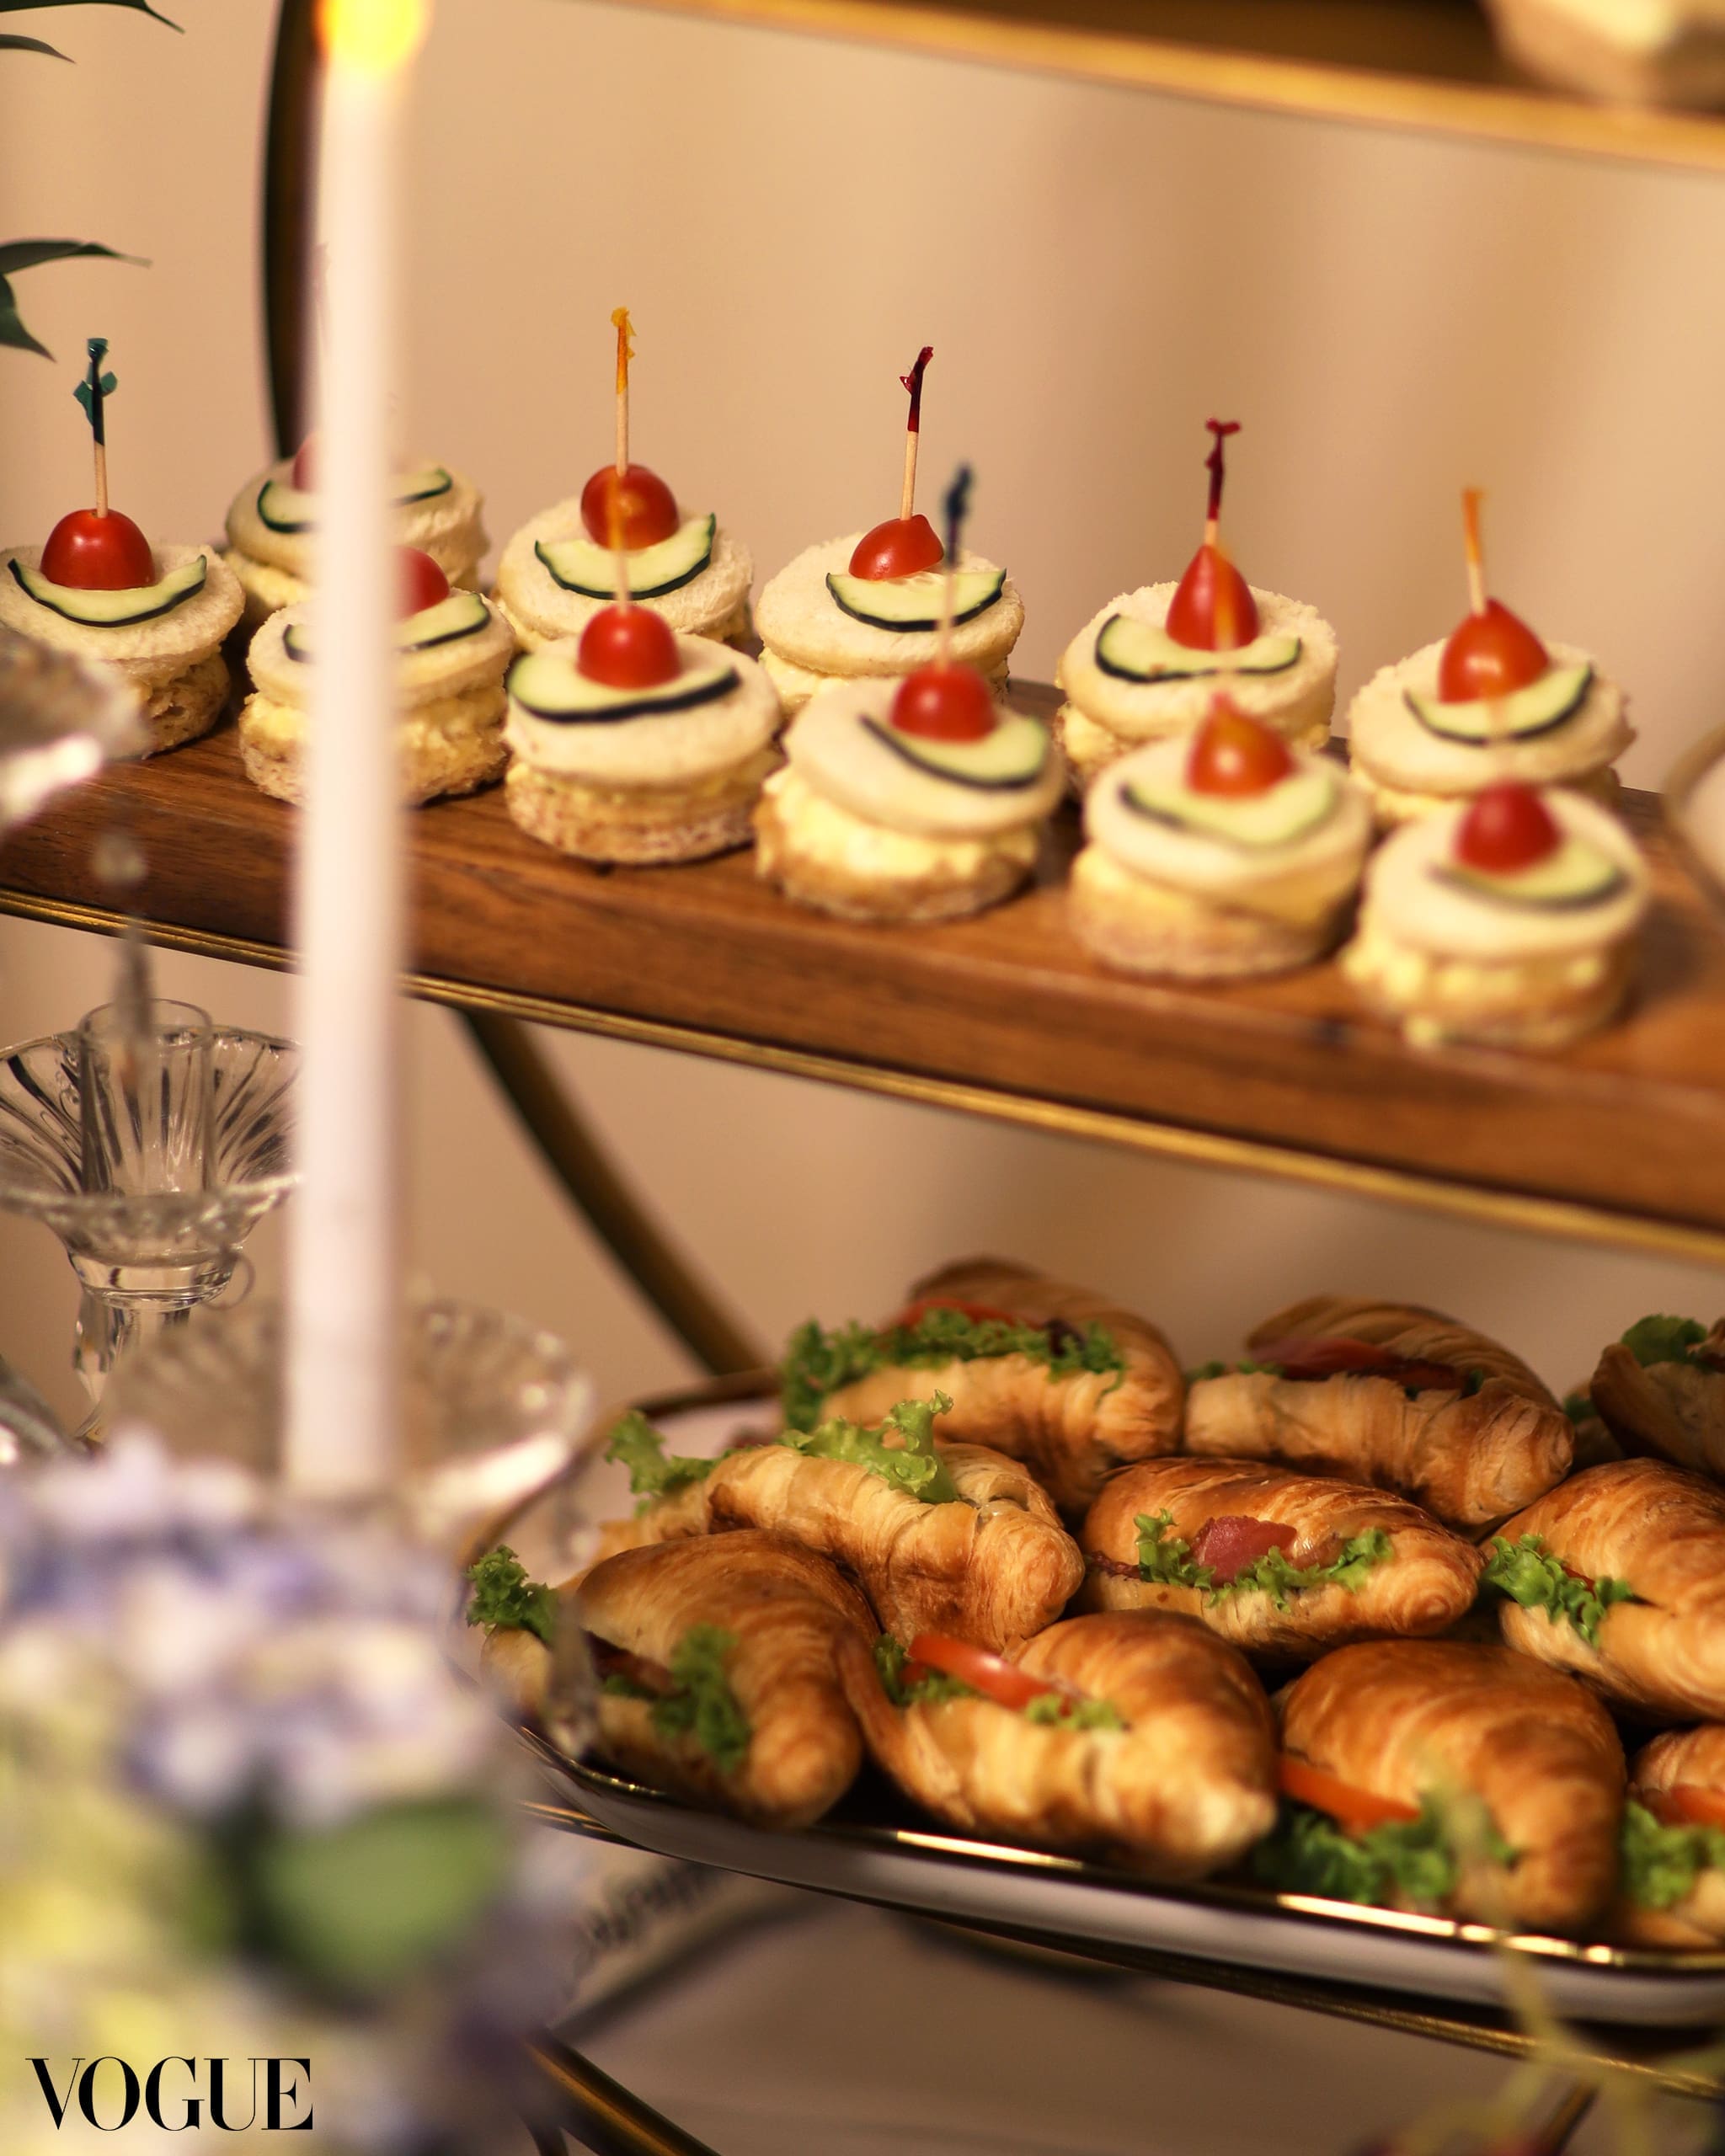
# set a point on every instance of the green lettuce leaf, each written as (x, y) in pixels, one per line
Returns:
(1166, 1558)
(504, 1599)
(913, 1466)
(636, 1445)
(1526, 1573)
(1403, 1860)
(1049, 1710)
(703, 1704)
(1207, 1370)
(817, 1362)
(1658, 1339)
(1661, 1864)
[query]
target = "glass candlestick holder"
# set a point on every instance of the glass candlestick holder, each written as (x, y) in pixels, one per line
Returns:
(151, 1145)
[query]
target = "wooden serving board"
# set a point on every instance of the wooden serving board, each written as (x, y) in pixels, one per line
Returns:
(1622, 1138)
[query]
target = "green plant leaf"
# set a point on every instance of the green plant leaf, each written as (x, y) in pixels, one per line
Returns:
(16, 255)
(30, 44)
(362, 1907)
(140, 6)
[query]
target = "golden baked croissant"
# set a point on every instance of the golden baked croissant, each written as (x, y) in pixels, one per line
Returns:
(991, 1563)
(1516, 1773)
(1096, 1387)
(766, 1618)
(1673, 1885)
(1182, 1786)
(1618, 1573)
(1384, 1567)
(1456, 1423)
(1661, 1389)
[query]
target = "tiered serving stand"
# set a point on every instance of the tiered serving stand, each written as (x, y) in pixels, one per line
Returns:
(1620, 1142)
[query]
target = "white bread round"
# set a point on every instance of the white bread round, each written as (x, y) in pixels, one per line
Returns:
(1303, 880)
(150, 653)
(821, 856)
(1138, 926)
(1297, 703)
(1415, 911)
(448, 527)
(799, 619)
(423, 678)
(1389, 747)
(668, 749)
(639, 826)
(707, 605)
(453, 744)
(1522, 1003)
(832, 751)
(796, 684)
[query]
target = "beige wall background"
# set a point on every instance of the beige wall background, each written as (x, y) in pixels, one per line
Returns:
(1097, 270)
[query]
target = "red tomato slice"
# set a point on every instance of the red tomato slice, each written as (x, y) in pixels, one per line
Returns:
(996, 1679)
(1356, 1809)
(1303, 1358)
(978, 1313)
(1687, 1804)
(1233, 1541)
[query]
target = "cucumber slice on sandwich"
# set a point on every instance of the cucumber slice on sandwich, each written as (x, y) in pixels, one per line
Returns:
(546, 686)
(1579, 873)
(462, 614)
(908, 603)
(1132, 650)
(581, 565)
(1276, 817)
(284, 508)
(1541, 707)
(113, 610)
(1015, 754)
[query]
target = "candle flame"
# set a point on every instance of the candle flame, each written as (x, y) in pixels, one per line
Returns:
(374, 37)
(625, 345)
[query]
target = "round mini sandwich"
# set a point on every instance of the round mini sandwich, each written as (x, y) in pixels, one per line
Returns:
(914, 800)
(1661, 1389)
(869, 606)
(1509, 920)
(1146, 666)
(556, 571)
(1671, 1880)
(272, 528)
(637, 744)
(454, 651)
(1224, 855)
(155, 616)
(1492, 704)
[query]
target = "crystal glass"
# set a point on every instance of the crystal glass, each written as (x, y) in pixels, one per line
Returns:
(493, 1408)
(60, 722)
(146, 1255)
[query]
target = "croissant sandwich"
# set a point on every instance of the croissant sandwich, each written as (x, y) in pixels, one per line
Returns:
(1619, 1573)
(1463, 1781)
(953, 1538)
(1661, 1389)
(1141, 1735)
(1672, 1889)
(1053, 1375)
(1391, 1395)
(1277, 1562)
(716, 1667)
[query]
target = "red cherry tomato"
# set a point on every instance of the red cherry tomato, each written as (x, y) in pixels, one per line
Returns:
(88, 553)
(1233, 753)
(423, 583)
(899, 547)
(1508, 827)
(944, 703)
(305, 465)
(1231, 1542)
(978, 1313)
(1687, 1804)
(645, 507)
(1214, 609)
(995, 1677)
(1356, 1809)
(1490, 654)
(628, 647)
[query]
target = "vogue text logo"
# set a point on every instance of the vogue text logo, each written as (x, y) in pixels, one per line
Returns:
(110, 2092)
